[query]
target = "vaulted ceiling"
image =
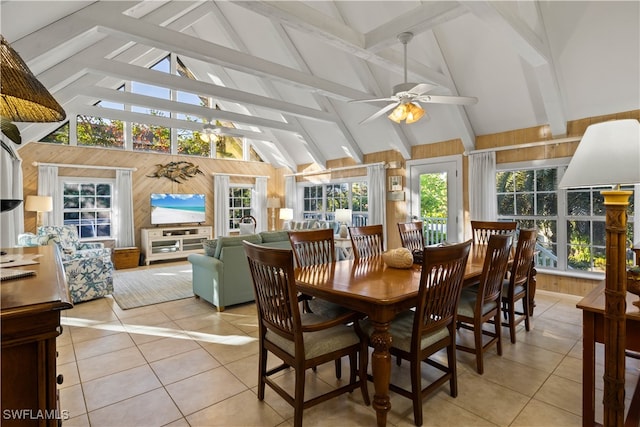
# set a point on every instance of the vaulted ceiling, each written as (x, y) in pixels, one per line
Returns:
(284, 72)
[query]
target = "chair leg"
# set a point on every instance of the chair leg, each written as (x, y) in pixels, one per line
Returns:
(262, 368)
(299, 397)
(477, 335)
(416, 390)
(362, 372)
(453, 369)
(338, 363)
(525, 310)
(512, 321)
(498, 326)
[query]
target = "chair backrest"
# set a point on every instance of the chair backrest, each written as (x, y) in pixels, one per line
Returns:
(494, 269)
(274, 287)
(367, 241)
(523, 258)
(312, 247)
(66, 236)
(482, 230)
(440, 286)
(411, 236)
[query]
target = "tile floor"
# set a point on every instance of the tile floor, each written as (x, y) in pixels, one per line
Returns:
(182, 363)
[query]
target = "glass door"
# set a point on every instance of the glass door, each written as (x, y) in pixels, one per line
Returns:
(436, 198)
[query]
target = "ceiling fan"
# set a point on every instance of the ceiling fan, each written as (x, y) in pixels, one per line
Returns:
(407, 96)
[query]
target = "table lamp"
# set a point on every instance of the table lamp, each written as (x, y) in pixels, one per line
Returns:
(609, 155)
(286, 214)
(39, 204)
(343, 216)
(273, 203)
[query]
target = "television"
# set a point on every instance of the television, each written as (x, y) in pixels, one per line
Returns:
(169, 208)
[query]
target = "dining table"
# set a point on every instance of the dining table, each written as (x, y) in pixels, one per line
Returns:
(369, 286)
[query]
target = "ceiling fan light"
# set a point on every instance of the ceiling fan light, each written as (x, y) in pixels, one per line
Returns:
(415, 113)
(399, 113)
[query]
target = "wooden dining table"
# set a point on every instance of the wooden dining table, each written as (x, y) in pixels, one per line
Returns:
(381, 292)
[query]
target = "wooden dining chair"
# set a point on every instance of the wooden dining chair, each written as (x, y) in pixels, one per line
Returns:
(516, 287)
(411, 235)
(482, 230)
(314, 247)
(480, 305)
(367, 240)
(300, 340)
(418, 335)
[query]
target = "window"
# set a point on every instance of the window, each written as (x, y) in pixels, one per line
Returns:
(239, 205)
(88, 206)
(570, 223)
(321, 201)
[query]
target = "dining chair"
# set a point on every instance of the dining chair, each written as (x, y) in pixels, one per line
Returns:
(300, 340)
(314, 247)
(418, 335)
(411, 236)
(516, 287)
(482, 230)
(480, 305)
(367, 240)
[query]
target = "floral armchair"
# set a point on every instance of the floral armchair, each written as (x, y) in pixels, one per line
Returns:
(88, 266)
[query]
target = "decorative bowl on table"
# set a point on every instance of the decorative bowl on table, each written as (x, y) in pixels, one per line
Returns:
(633, 282)
(398, 258)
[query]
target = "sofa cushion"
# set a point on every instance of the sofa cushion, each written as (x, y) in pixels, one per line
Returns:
(227, 241)
(274, 236)
(210, 246)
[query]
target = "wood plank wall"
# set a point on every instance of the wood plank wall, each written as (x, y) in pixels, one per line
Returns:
(143, 185)
(396, 210)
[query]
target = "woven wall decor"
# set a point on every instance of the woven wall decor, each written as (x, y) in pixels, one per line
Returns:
(176, 171)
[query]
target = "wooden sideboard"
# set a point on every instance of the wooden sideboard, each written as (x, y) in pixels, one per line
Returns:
(30, 322)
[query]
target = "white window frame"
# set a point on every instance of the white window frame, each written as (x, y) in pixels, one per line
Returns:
(251, 188)
(326, 215)
(62, 180)
(562, 217)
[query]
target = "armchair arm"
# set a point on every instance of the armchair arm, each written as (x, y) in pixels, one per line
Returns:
(90, 245)
(87, 253)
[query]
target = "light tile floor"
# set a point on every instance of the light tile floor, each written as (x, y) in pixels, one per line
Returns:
(182, 363)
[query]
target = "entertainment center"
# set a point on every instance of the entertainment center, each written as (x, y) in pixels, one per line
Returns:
(162, 243)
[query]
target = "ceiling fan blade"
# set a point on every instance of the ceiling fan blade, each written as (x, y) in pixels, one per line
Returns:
(421, 88)
(445, 99)
(353, 101)
(380, 112)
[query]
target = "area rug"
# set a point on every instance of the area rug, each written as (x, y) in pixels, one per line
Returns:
(137, 288)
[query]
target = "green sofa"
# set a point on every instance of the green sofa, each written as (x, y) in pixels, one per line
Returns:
(221, 276)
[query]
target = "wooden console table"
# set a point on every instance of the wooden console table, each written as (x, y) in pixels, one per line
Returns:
(593, 329)
(30, 322)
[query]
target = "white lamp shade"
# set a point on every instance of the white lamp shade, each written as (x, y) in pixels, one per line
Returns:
(343, 215)
(286, 214)
(608, 154)
(273, 202)
(39, 204)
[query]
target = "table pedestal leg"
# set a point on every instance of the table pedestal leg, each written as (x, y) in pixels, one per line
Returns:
(381, 369)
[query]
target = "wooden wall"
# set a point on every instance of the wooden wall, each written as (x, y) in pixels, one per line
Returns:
(396, 210)
(143, 185)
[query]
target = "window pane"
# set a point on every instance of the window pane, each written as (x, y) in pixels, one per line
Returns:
(578, 203)
(102, 132)
(546, 179)
(524, 204)
(151, 138)
(189, 142)
(58, 136)
(524, 180)
(547, 204)
(506, 204)
(504, 182)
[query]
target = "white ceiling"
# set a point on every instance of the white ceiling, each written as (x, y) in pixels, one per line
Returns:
(287, 69)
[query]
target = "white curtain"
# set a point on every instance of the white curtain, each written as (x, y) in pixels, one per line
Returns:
(11, 222)
(377, 200)
(123, 215)
(220, 205)
(259, 204)
(291, 196)
(483, 204)
(48, 186)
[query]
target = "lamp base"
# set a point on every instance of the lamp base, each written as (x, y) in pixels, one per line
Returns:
(343, 231)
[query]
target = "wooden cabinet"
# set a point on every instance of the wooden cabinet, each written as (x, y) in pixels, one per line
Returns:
(30, 322)
(163, 243)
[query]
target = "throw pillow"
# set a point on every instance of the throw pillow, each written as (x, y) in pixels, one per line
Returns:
(246, 228)
(210, 246)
